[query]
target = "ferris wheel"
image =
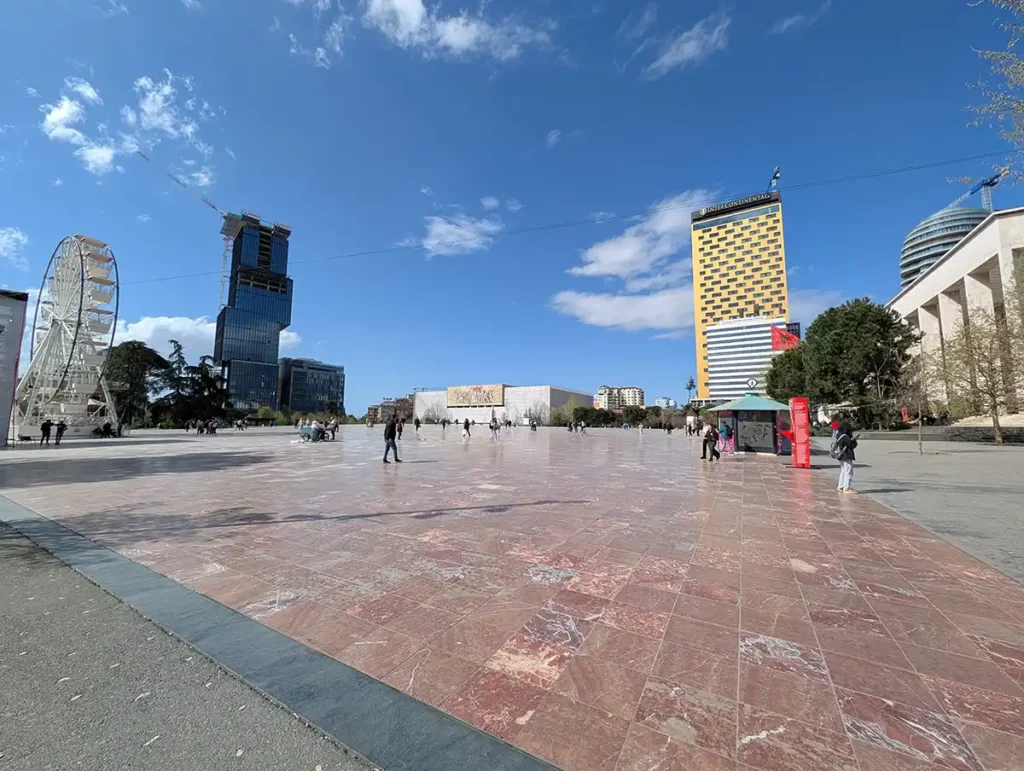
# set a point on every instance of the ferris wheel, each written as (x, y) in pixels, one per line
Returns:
(72, 331)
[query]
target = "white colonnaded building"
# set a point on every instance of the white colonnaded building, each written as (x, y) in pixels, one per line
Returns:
(480, 403)
(978, 273)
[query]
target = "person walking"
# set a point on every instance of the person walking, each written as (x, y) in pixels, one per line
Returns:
(44, 429)
(835, 429)
(416, 425)
(61, 428)
(727, 438)
(704, 442)
(846, 446)
(494, 429)
(390, 432)
(712, 443)
(465, 429)
(400, 423)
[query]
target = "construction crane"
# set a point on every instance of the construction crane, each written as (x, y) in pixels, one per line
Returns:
(985, 186)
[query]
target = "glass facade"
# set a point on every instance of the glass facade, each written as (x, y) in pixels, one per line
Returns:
(259, 308)
(307, 385)
(928, 243)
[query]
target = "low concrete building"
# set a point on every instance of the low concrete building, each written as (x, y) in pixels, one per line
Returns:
(977, 273)
(482, 402)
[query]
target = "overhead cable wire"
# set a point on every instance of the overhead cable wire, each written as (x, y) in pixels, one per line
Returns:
(578, 222)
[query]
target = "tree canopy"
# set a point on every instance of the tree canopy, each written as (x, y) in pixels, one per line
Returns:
(851, 353)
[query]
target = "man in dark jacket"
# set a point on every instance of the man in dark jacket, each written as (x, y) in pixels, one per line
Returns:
(390, 432)
(846, 446)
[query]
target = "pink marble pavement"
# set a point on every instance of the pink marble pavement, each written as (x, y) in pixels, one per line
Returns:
(606, 602)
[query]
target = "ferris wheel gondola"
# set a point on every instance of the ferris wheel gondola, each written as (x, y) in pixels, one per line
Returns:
(72, 332)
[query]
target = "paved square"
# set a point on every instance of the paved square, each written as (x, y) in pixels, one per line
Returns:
(606, 602)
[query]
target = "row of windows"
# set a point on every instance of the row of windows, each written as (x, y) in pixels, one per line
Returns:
(721, 222)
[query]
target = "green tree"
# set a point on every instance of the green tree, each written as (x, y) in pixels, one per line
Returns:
(856, 352)
(691, 386)
(134, 373)
(786, 377)
(634, 415)
(1003, 103)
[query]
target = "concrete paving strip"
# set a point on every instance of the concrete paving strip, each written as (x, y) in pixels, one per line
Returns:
(386, 727)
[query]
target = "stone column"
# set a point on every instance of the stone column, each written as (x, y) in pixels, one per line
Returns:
(931, 342)
(951, 312)
(978, 292)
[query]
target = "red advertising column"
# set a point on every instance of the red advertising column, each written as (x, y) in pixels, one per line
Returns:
(800, 426)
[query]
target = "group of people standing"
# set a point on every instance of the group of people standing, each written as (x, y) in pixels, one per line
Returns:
(712, 437)
(202, 426)
(46, 427)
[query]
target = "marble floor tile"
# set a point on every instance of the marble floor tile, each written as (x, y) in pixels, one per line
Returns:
(574, 736)
(602, 684)
(495, 702)
(697, 668)
(919, 733)
(783, 656)
(528, 658)
(623, 648)
(689, 715)
(776, 743)
(809, 701)
(647, 750)
(430, 675)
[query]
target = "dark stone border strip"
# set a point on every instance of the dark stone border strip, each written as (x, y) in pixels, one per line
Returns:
(388, 728)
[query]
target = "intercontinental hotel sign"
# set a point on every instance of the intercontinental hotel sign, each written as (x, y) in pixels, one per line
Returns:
(742, 203)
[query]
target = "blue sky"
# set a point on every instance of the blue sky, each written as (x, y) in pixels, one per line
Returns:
(447, 128)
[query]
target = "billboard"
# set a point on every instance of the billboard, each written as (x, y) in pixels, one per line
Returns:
(476, 396)
(12, 325)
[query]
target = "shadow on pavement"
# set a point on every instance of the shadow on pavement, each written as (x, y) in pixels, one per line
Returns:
(74, 470)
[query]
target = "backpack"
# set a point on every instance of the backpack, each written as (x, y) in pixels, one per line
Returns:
(835, 451)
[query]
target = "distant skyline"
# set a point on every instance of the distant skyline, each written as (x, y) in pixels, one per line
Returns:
(460, 136)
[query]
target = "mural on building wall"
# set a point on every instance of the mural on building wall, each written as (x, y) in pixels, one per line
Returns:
(476, 396)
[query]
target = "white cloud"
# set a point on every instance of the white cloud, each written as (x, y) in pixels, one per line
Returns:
(317, 57)
(670, 309)
(229, 152)
(204, 177)
(192, 5)
(129, 116)
(601, 216)
(634, 29)
(31, 91)
(12, 243)
(115, 9)
(157, 107)
(195, 334)
(490, 203)
(143, 217)
(409, 24)
(60, 118)
(799, 21)
(97, 158)
(513, 205)
(84, 89)
(692, 46)
(335, 35)
(553, 138)
(58, 182)
(6, 127)
(460, 234)
(428, 191)
(642, 251)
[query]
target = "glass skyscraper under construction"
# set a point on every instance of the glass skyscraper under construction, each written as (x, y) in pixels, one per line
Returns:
(259, 308)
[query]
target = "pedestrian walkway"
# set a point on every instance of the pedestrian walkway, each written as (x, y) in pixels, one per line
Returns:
(87, 683)
(605, 602)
